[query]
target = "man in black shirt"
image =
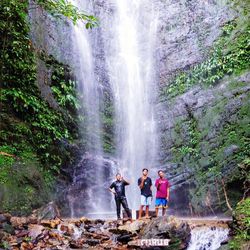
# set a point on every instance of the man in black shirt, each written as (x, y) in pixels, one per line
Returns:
(145, 184)
(120, 197)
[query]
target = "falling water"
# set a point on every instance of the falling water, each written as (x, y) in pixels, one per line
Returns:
(87, 86)
(207, 238)
(91, 128)
(128, 40)
(129, 50)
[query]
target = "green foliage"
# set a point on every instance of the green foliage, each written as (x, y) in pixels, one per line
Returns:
(67, 9)
(20, 89)
(189, 148)
(241, 224)
(229, 55)
(242, 212)
(62, 84)
(30, 129)
(208, 159)
(5, 245)
(65, 94)
(22, 180)
(16, 59)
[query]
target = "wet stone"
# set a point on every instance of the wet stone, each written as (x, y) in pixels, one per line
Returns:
(8, 228)
(92, 242)
(124, 238)
(35, 230)
(2, 218)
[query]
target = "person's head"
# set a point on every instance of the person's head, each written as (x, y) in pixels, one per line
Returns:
(161, 173)
(118, 176)
(145, 171)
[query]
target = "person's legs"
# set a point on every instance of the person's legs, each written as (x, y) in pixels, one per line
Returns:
(147, 211)
(143, 203)
(163, 211)
(140, 212)
(156, 211)
(148, 203)
(118, 207)
(125, 206)
(157, 205)
(164, 206)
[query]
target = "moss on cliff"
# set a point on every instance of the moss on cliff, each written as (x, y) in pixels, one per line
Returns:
(213, 147)
(228, 56)
(211, 140)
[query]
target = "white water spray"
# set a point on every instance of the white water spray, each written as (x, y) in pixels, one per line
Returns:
(88, 89)
(130, 58)
(207, 238)
(128, 39)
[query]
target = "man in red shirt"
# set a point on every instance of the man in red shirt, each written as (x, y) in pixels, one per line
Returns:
(162, 193)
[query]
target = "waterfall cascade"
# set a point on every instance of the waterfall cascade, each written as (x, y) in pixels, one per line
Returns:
(129, 49)
(128, 41)
(89, 179)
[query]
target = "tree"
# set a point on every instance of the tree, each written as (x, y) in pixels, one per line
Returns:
(67, 9)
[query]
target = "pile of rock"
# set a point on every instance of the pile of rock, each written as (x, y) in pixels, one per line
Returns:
(35, 233)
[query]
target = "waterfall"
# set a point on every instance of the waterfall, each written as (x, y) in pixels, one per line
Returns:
(207, 238)
(87, 83)
(129, 52)
(90, 129)
(127, 36)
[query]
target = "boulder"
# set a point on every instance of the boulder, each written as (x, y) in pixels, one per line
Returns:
(2, 234)
(67, 229)
(22, 233)
(124, 238)
(35, 230)
(176, 230)
(18, 222)
(48, 211)
(76, 244)
(92, 242)
(50, 223)
(8, 228)
(133, 227)
(3, 218)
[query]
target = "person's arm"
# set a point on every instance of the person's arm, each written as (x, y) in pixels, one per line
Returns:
(157, 184)
(150, 184)
(141, 183)
(125, 182)
(168, 193)
(111, 188)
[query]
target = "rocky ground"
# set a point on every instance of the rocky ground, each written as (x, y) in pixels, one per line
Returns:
(31, 233)
(41, 231)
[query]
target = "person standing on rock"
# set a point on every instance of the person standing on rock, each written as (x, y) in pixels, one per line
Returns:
(145, 184)
(162, 194)
(120, 197)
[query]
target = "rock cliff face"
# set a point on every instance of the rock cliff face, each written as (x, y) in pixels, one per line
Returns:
(187, 31)
(203, 105)
(203, 134)
(203, 122)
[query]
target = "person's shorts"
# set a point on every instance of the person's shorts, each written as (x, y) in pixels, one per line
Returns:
(161, 203)
(146, 201)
